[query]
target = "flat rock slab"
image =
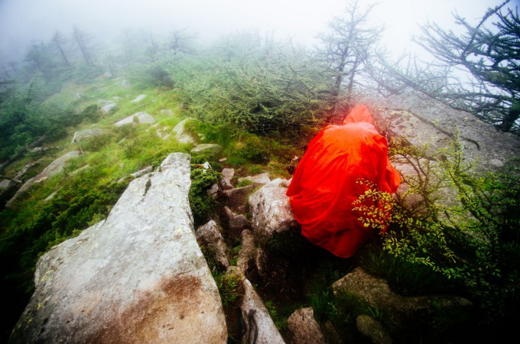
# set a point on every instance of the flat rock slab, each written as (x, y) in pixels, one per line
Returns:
(54, 168)
(304, 328)
(262, 178)
(139, 98)
(207, 148)
(138, 118)
(376, 292)
(138, 277)
(87, 133)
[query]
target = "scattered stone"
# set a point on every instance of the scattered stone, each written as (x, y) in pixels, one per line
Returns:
(304, 328)
(247, 251)
(137, 277)
(142, 172)
(377, 293)
(54, 168)
(183, 134)
(108, 107)
(26, 168)
(227, 175)
(78, 96)
(270, 210)
(209, 236)
(262, 178)
(41, 149)
(125, 83)
(166, 112)
(213, 191)
(107, 75)
(207, 148)
(236, 199)
(259, 324)
(138, 98)
(235, 223)
(87, 133)
(136, 118)
(222, 160)
(372, 329)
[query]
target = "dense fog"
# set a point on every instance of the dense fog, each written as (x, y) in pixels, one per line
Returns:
(23, 22)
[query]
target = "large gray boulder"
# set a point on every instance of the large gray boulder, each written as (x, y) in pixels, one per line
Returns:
(138, 98)
(137, 118)
(108, 107)
(138, 277)
(54, 168)
(270, 210)
(210, 237)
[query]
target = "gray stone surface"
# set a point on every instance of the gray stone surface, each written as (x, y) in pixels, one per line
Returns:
(259, 324)
(166, 112)
(138, 277)
(138, 118)
(125, 83)
(304, 328)
(377, 293)
(139, 98)
(207, 148)
(227, 176)
(236, 199)
(235, 222)
(87, 133)
(262, 178)
(209, 236)
(54, 168)
(247, 252)
(270, 210)
(108, 107)
(183, 134)
(372, 329)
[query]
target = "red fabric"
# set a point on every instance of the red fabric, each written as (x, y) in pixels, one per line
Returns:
(324, 183)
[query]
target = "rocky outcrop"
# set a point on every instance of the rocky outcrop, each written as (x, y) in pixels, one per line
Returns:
(183, 134)
(138, 98)
(236, 199)
(303, 327)
(372, 329)
(87, 133)
(138, 277)
(246, 255)
(270, 210)
(209, 236)
(376, 293)
(235, 223)
(137, 118)
(54, 168)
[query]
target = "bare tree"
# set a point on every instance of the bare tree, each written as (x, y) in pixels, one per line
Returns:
(477, 72)
(347, 47)
(60, 42)
(82, 40)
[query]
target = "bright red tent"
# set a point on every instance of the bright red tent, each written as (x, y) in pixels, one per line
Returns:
(324, 183)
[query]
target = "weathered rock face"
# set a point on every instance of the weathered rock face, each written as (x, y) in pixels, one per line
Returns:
(227, 175)
(108, 107)
(247, 252)
(236, 223)
(138, 277)
(270, 210)
(423, 120)
(304, 328)
(236, 199)
(88, 133)
(55, 167)
(139, 118)
(377, 293)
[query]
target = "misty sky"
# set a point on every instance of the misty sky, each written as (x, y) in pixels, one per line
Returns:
(23, 22)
